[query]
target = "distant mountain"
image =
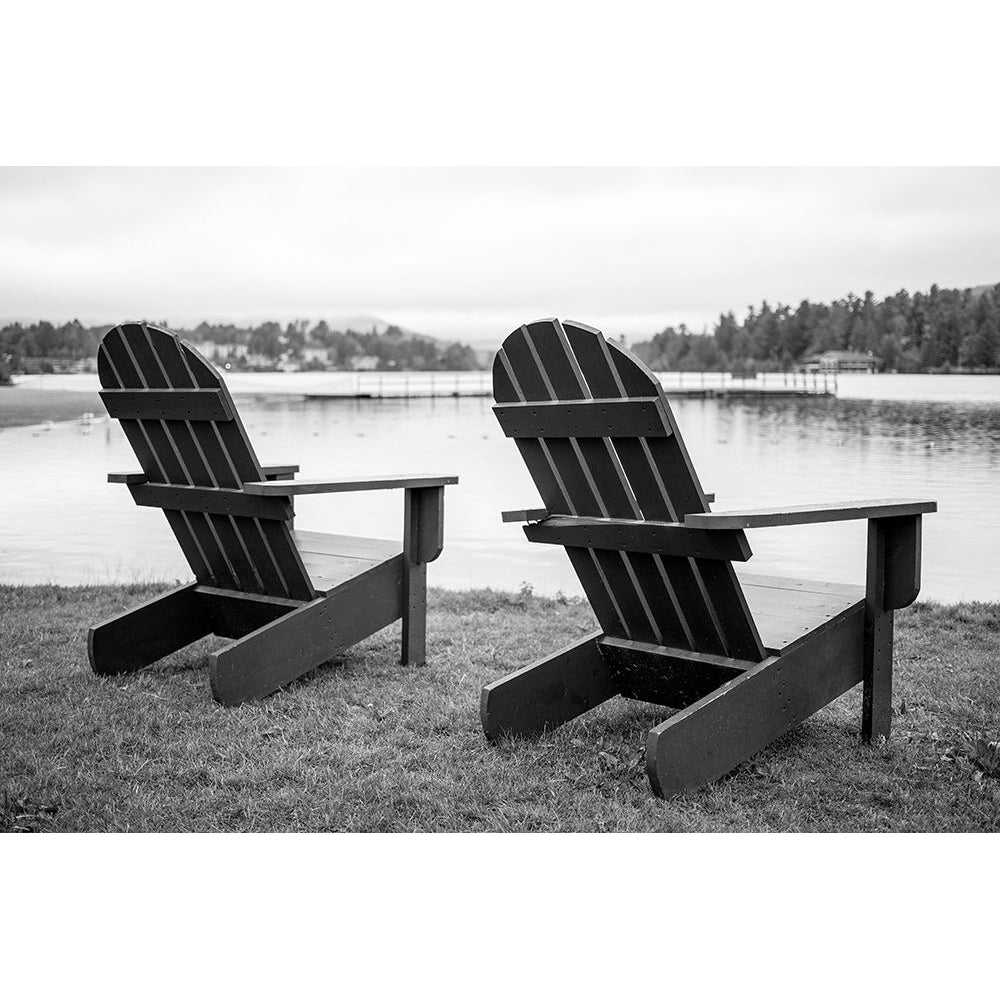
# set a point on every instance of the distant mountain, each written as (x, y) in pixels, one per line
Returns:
(366, 323)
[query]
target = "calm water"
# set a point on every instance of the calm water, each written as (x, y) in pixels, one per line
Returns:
(906, 436)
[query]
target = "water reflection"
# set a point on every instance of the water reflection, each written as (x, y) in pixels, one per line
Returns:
(60, 521)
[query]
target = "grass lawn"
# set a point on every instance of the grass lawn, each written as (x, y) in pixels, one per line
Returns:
(20, 407)
(365, 744)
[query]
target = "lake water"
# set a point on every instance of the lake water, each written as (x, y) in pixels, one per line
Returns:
(883, 436)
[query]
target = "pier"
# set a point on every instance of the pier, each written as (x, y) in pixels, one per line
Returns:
(697, 385)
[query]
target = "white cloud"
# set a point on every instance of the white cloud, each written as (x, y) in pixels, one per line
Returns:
(472, 253)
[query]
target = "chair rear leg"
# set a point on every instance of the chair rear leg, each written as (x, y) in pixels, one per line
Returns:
(148, 632)
(548, 693)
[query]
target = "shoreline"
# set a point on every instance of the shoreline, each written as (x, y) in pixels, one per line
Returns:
(24, 407)
(21, 407)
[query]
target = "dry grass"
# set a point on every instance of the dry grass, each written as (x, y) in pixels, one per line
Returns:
(365, 744)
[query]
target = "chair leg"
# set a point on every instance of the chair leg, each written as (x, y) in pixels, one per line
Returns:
(148, 632)
(711, 737)
(414, 613)
(876, 700)
(548, 693)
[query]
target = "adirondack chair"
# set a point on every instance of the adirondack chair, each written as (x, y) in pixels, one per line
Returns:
(291, 599)
(743, 658)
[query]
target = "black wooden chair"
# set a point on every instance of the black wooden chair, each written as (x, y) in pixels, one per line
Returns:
(744, 658)
(291, 599)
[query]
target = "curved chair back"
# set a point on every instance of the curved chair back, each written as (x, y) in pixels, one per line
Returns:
(195, 456)
(599, 438)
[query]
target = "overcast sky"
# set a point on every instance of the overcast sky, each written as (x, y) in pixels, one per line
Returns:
(472, 253)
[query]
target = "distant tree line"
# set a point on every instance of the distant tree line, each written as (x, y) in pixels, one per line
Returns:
(265, 344)
(944, 330)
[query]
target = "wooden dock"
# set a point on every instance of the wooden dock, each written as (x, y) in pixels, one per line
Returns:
(691, 385)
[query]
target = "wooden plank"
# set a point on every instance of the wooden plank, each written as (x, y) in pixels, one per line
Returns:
(272, 656)
(328, 572)
(117, 368)
(423, 524)
(711, 618)
(848, 510)
(547, 693)
(159, 358)
(182, 461)
(148, 632)
(423, 540)
(210, 500)
(167, 404)
(799, 584)
(786, 616)
(235, 613)
(713, 599)
(278, 471)
(902, 560)
(664, 676)
(664, 537)
(711, 737)
(301, 487)
(372, 549)
(876, 702)
(587, 418)
(131, 478)
(229, 454)
(529, 514)
(507, 387)
(197, 446)
(598, 487)
(414, 627)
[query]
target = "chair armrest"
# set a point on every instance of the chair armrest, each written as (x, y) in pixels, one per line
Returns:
(540, 513)
(304, 486)
(529, 514)
(848, 510)
(138, 478)
(272, 472)
(624, 535)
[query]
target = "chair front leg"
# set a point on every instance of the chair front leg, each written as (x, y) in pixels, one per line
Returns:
(423, 540)
(893, 581)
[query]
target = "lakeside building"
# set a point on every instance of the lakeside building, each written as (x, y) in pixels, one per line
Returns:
(215, 351)
(58, 366)
(316, 355)
(841, 361)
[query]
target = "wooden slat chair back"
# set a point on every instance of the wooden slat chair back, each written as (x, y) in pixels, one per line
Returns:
(290, 600)
(741, 662)
(604, 443)
(180, 419)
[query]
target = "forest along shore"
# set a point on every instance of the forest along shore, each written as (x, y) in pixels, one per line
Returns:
(20, 407)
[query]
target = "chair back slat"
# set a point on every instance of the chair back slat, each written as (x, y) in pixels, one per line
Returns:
(542, 467)
(668, 488)
(231, 551)
(261, 551)
(593, 486)
(675, 601)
